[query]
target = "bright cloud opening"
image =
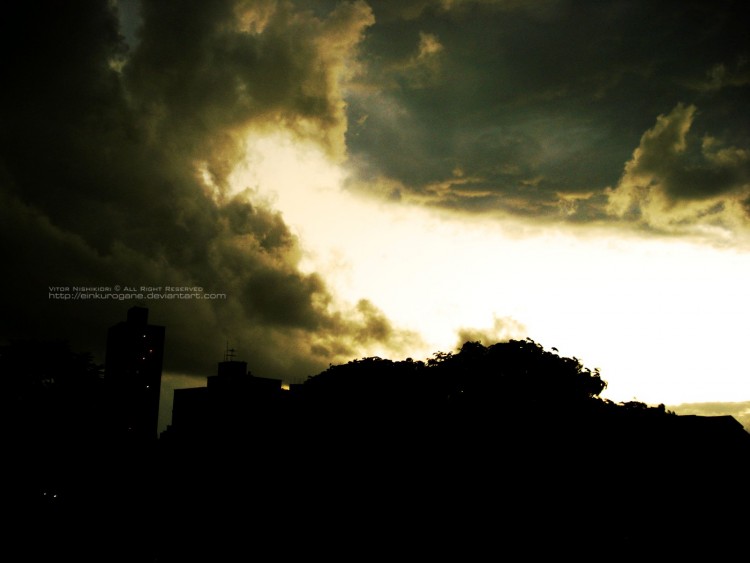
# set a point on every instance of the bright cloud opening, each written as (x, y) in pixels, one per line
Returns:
(661, 320)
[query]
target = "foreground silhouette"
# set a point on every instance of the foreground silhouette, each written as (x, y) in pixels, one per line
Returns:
(467, 455)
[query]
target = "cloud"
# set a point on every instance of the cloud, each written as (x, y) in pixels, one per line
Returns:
(675, 182)
(118, 175)
(420, 68)
(540, 104)
(413, 9)
(366, 329)
(722, 75)
(502, 330)
(225, 65)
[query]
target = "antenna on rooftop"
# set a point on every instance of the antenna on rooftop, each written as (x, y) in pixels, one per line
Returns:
(229, 353)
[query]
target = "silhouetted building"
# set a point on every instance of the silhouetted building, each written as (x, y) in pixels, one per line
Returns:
(190, 411)
(234, 400)
(233, 378)
(230, 374)
(133, 366)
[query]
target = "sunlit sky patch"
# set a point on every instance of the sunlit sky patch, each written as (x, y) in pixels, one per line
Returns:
(658, 316)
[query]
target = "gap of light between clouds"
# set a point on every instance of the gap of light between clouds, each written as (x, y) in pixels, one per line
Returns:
(664, 321)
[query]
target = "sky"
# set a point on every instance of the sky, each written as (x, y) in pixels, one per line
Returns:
(392, 178)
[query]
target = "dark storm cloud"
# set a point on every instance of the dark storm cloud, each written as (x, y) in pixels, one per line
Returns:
(210, 67)
(115, 156)
(534, 108)
(676, 181)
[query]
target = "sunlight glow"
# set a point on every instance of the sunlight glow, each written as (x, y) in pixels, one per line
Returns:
(662, 320)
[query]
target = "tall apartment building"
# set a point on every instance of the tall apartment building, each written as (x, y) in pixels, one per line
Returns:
(132, 370)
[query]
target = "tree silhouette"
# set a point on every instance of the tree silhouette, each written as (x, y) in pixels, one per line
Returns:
(518, 373)
(511, 376)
